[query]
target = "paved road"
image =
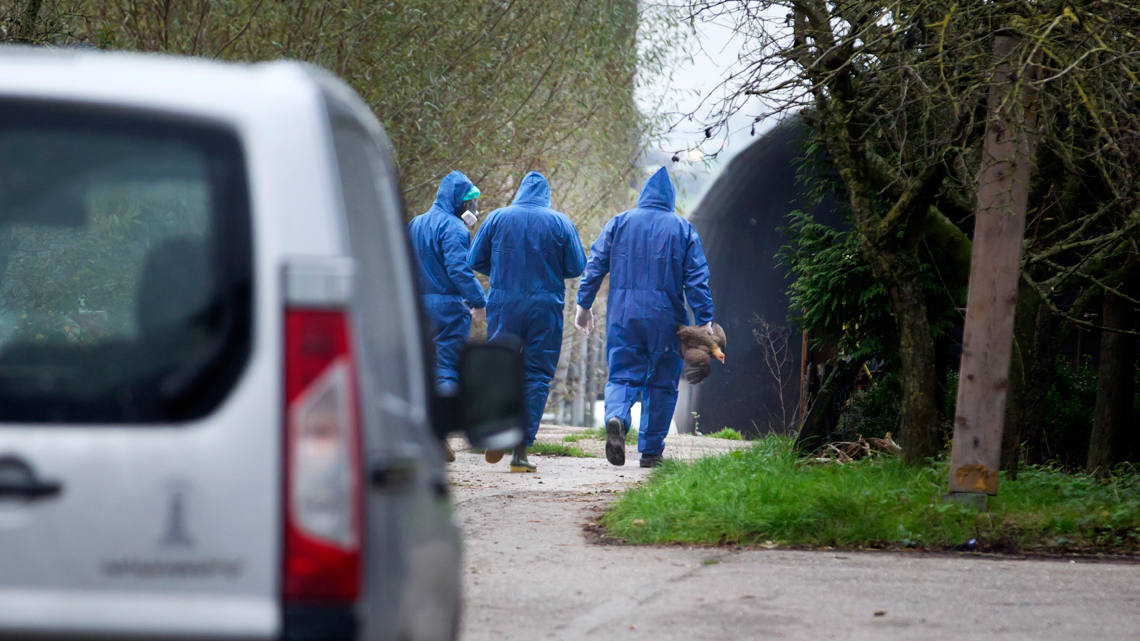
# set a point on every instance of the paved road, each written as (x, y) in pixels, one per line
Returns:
(532, 573)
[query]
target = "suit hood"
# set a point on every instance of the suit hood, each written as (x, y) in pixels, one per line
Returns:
(534, 190)
(452, 189)
(658, 192)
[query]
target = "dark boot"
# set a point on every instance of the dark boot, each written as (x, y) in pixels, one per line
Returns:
(519, 462)
(651, 460)
(493, 456)
(615, 441)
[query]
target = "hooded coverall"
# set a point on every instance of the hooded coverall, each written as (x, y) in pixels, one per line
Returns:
(655, 262)
(529, 250)
(448, 287)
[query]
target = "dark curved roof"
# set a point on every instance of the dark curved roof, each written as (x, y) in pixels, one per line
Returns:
(738, 220)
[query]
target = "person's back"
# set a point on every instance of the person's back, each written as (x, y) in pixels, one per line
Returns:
(448, 287)
(647, 261)
(655, 263)
(528, 250)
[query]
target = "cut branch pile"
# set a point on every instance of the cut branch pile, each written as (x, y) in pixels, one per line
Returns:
(847, 451)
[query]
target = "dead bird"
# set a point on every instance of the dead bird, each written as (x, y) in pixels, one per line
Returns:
(698, 348)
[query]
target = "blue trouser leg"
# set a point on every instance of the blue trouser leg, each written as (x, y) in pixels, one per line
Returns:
(644, 363)
(539, 324)
(659, 401)
(451, 331)
(542, 345)
(628, 368)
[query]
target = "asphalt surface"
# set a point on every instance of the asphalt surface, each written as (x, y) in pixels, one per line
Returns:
(534, 572)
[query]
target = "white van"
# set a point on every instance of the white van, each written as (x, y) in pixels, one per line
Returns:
(215, 416)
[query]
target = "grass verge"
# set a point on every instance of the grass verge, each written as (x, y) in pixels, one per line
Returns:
(766, 494)
(728, 434)
(557, 449)
(589, 433)
(593, 433)
(546, 449)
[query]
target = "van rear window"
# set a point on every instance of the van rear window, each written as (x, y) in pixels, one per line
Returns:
(125, 267)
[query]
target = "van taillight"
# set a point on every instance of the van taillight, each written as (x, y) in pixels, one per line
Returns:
(322, 459)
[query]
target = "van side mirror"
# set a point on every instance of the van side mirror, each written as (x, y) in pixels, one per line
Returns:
(489, 405)
(490, 395)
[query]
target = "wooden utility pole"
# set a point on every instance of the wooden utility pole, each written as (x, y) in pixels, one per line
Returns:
(987, 342)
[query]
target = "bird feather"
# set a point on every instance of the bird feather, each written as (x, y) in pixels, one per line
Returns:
(698, 347)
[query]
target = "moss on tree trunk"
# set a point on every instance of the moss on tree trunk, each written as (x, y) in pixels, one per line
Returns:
(919, 433)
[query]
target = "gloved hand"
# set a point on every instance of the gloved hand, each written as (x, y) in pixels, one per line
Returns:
(709, 328)
(479, 314)
(585, 320)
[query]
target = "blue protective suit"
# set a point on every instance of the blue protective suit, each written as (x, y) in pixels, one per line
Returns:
(655, 262)
(529, 250)
(448, 287)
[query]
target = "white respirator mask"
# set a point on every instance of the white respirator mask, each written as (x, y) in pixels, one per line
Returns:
(470, 207)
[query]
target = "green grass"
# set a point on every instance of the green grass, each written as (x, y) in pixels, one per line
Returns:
(557, 449)
(547, 449)
(728, 434)
(593, 433)
(766, 494)
(583, 435)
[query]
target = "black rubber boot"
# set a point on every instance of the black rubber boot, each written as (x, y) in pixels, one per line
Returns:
(615, 441)
(651, 460)
(519, 462)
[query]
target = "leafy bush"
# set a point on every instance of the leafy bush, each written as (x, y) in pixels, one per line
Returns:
(1068, 423)
(841, 302)
(873, 412)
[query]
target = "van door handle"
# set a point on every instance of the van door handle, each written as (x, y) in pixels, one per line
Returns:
(18, 480)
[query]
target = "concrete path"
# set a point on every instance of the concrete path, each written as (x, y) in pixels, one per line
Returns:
(532, 573)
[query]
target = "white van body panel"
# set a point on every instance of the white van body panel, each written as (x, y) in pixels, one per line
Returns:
(175, 530)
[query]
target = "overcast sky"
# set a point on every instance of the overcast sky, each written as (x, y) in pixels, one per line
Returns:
(713, 50)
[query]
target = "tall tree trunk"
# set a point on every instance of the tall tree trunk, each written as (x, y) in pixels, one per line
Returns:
(1049, 332)
(889, 242)
(1014, 409)
(559, 399)
(919, 434)
(899, 271)
(578, 404)
(1081, 334)
(1024, 324)
(1112, 419)
(814, 428)
(894, 262)
(1047, 337)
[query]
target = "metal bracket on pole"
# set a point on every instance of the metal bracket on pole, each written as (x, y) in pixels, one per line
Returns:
(977, 501)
